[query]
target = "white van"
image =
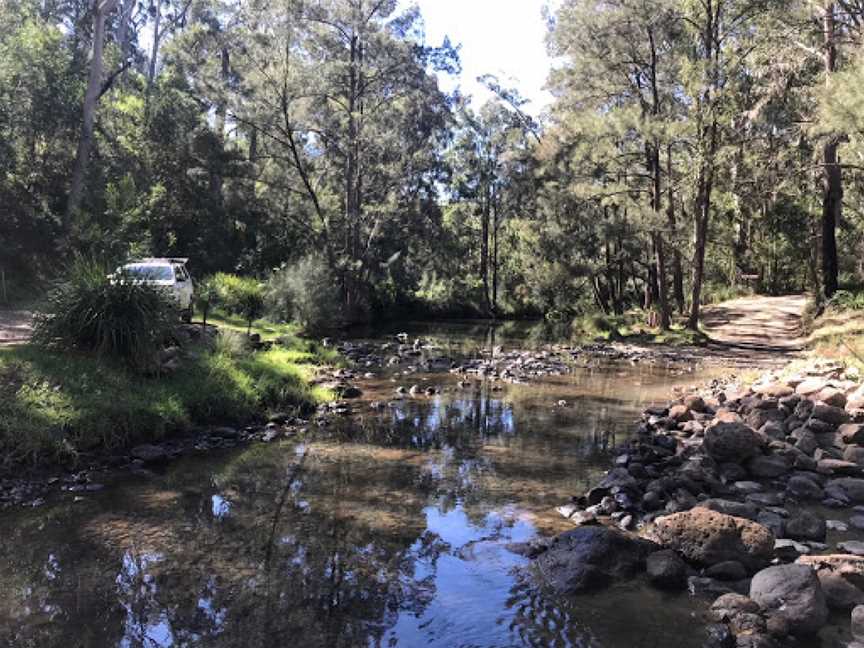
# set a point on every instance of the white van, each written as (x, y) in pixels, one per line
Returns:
(170, 274)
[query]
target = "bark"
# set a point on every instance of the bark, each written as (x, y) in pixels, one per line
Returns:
(154, 55)
(832, 196)
(657, 195)
(708, 144)
(677, 271)
(100, 10)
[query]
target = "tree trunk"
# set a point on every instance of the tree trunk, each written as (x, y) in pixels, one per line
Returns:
(91, 99)
(495, 227)
(832, 196)
(677, 271)
(154, 56)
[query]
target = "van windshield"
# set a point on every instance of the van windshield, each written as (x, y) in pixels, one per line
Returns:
(150, 272)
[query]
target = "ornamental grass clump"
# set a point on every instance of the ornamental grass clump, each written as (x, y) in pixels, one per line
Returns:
(110, 315)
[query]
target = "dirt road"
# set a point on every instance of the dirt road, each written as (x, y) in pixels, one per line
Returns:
(764, 330)
(15, 326)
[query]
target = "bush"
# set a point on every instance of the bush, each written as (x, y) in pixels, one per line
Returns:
(307, 292)
(206, 296)
(111, 316)
(848, 300)
(233, 293)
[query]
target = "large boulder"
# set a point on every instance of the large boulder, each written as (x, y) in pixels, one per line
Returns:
(732, 441)
(591, 557)
(793, 592)
(706, 537)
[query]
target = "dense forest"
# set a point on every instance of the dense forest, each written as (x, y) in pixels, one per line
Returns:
(693, 147)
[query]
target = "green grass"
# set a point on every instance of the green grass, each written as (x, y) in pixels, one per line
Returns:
(631, 328)
(56, 405)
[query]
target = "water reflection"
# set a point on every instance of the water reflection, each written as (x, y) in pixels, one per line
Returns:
(389, 530)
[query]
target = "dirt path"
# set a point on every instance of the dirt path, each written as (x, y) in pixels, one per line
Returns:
(761, 330)
(15, 326)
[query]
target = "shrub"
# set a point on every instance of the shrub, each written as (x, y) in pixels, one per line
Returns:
(310, 290)
(848, 300)
(113, 316)
(233, 293)
(251, 303)
(206, 296)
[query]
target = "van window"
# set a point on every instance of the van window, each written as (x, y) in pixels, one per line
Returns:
(144, 272)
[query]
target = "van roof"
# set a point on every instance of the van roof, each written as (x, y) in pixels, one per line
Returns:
(161, 261)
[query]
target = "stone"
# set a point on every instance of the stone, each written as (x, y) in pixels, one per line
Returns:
(854, 453)
(694, 403)
(771, 521)
(768, 467)
(793, 592)
(838, 467)
(618, 477)
(842, 576)
(718, 635)
(858, 623)
(852, 488)
(708, 588)
(852, 433)
(811, 386)
(806, 525)
(706, 537)
(591, 557)
(680, 414)
(804, 488)
(225, 432)
(730, 570)
(787, 549)
(731, 507)
(832, 396)
(732, 442)
(149, 453)
(854, 547)
(666, 570)
(774, 390)
(830, 414)
(806, 441)
(857, 522)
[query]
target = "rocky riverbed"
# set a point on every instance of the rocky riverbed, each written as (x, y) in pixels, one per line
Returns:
(734, 493)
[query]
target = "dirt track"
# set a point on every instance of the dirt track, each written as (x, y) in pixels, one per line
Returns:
(764, 330)
(15, 326)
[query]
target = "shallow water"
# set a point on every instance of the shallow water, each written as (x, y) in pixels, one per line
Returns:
(387, 530)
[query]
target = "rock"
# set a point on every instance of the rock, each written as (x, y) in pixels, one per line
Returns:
(851, 487)
(694, 403)
(806, 526)
(811, 386)
(149, 453)
(774, 390)
(804, 488)
(350, 391)
(718, 635)
(854, 547)
(709, 588)
(768, 467)
(707, 537)
(225, 432)
(618, 477)
(680, 414)
(772, 521)
(830, 414)
(730, 570)
(732, 442)
(852, 433)
(787, 549)
(833, 397)
(730, 507)
(838, 467)
(793, 592)
(842, 578)
(806, 441)
(854, 453)
(591, 557)
(858, 623)
(666, 569)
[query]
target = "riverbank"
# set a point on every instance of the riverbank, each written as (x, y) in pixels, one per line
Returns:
(69, 410)
(748, 494)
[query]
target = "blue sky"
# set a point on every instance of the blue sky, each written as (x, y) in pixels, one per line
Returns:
(501, 37)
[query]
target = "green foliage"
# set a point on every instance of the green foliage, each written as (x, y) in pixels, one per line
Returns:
(58, 404)
(310, 290)
(109, 315)
(848, 300)
(233, 293)
(205, 297)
